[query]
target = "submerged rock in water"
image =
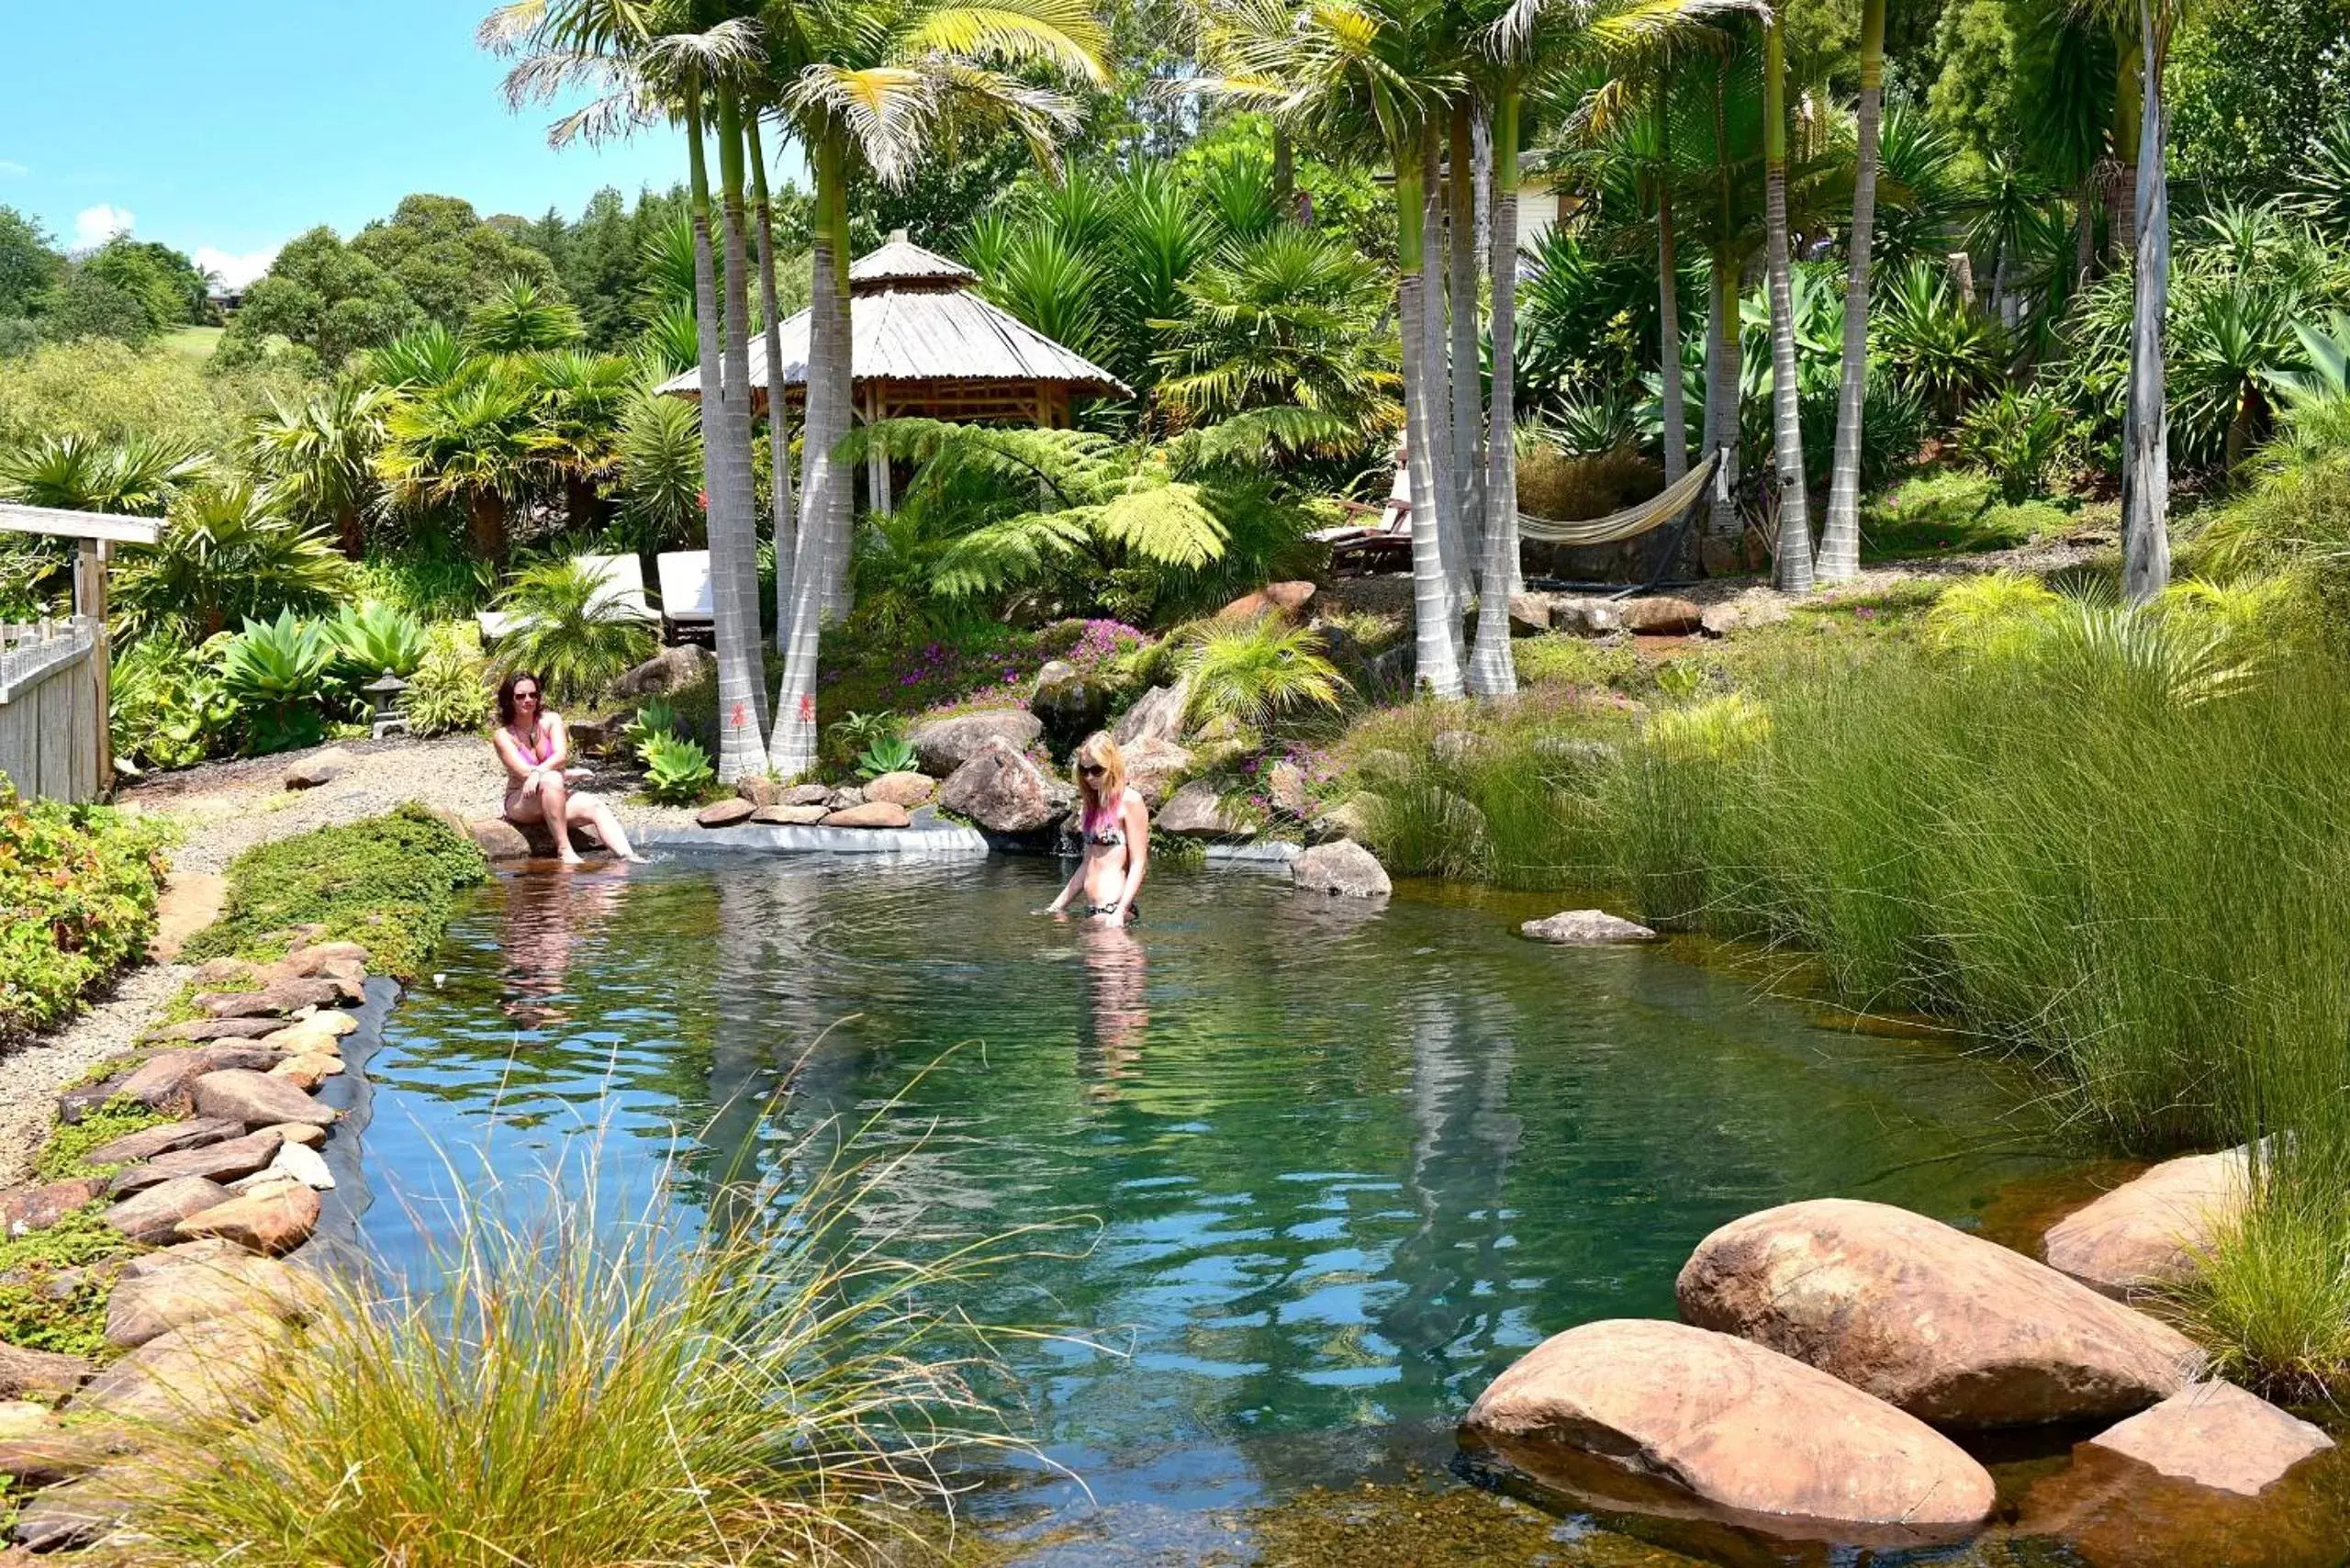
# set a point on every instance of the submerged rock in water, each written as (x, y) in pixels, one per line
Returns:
(1343, 868)
(1946, 1326)
(2148, 1232)
(2216, 1435)
(1585, 928)
(1650, 1417)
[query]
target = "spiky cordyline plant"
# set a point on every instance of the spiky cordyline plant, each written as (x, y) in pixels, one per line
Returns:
(782, 1384)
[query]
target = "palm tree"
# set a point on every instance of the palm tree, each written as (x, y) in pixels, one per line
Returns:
(2145, 418)
(74, 473)
(319, 454)
(1357, 73)
(652, 63)
(778, 433)
(867, 81)
(1467, 450)
(522, 317)
(733, 534)
(1793, 574)
(582, 399)
(473, 441)
(1839, 535)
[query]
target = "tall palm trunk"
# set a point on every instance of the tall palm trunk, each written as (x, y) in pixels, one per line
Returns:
(1794, 569)
(825, 413)
(1493, 671)
(840, 505)
(485, 524)
(778, 429)
(1668, 297)
(1840, 536)
(1436, 629)
(734, 532)
(739, 733)
(2145, 421)
(2129, 141)
(1722, 372)
(1436, 373)
(1468, 399)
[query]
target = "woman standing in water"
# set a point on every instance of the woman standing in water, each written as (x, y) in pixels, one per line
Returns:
(535, 746)
(1115, 828)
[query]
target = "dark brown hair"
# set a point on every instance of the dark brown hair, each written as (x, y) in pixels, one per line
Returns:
(505, 694)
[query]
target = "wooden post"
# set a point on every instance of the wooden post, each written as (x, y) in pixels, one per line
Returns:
(876, 461)
(90, 599)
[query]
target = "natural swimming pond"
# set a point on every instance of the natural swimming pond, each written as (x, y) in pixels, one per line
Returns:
(1346, 1163)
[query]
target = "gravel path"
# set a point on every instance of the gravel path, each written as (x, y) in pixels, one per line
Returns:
(225, 808)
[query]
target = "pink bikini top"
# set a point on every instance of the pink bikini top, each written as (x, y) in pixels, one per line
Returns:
(529, 748)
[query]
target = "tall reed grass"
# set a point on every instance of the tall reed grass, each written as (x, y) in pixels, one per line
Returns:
(569, 1392)
(2112, 841)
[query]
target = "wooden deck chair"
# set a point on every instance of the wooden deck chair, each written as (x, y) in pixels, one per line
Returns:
(1387, 541)
(687, 601)
(620, 582)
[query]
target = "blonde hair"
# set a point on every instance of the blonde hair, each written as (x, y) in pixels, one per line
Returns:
(1100, 751)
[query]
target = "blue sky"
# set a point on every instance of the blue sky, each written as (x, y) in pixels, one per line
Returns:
(227, 128)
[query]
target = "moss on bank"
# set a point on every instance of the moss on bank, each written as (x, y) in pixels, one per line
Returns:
(386, 883)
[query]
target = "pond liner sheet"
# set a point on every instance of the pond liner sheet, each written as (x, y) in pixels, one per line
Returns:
(335, 1246)
(941, 842)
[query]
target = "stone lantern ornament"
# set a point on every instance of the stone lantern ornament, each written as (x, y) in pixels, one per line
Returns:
(385, 694)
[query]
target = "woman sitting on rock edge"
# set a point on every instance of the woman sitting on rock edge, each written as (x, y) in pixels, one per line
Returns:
(1115, 826)
(535, 746)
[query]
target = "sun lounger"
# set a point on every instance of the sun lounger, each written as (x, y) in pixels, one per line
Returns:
(620, 582)
(686, 599)
(1387, 541)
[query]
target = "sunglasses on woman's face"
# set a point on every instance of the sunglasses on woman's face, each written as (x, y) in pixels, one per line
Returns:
(1091, 771)
(526, 696)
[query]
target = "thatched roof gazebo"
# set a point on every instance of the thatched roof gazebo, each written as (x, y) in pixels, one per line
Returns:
(923, 344)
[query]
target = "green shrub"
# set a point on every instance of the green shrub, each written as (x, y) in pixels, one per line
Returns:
(374, 636)
(77, 901)
(2015, 437)
(450, 692)
(228, 553)
(1254, 670)
(1558, 659)
(572, 1391)
(577, 642)
(62, 1156)
(677, 771)
(275, 671)
(170, 708)
(386, 883)
(431, 581)
(1950, 511)
(35, 1314)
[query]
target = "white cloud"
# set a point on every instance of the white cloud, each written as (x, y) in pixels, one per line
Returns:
(11, 169)
(234, 271)
(94, 226)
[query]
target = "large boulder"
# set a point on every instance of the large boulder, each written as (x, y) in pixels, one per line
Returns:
(52, 1452)
(268, 1220)
(908, 789)
(1587, 617)
(1946, 1326)
(222, 1162)
(1288, 600)
(1157, 715)
(1585, 928)
(40, 1374)
(154, 1214)
(942, 745)
(1660, 616)
(2216, 1435)
(791, 816)
(150, 1302)
(1001, 790)
(870, 813)
(86, 1510)
(323, 767)
(498, 839)
(1070, 704)
(1647, 1417)
(664, 672)
(1197, 811)
(1152, 767)
(24, 1210)
(1342, 867)
(257, 1099)
(2149, 1232)
(724, 813)
(1530, 614)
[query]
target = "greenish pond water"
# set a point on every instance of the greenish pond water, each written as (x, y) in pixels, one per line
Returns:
(1338, 1166)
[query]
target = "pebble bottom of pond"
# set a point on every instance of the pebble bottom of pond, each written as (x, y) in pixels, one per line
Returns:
(1326, 1167)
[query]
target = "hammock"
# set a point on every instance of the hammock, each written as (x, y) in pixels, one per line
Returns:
(1632, 521)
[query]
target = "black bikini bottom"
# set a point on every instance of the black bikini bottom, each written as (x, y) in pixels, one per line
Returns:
(1134, 911)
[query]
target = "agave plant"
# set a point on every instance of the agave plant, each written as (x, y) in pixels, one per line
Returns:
(1939, 347)
(374, 637)
(276, 672)
(889, 754)
(574, 637)
(228, 553)
(676, 770)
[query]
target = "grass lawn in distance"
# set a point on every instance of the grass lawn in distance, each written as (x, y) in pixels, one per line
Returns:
(194, 343)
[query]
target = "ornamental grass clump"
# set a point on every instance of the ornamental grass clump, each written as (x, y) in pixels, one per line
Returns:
(568, 1390)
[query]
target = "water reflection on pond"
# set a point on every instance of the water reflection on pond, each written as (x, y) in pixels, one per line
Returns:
(1339, 1165)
